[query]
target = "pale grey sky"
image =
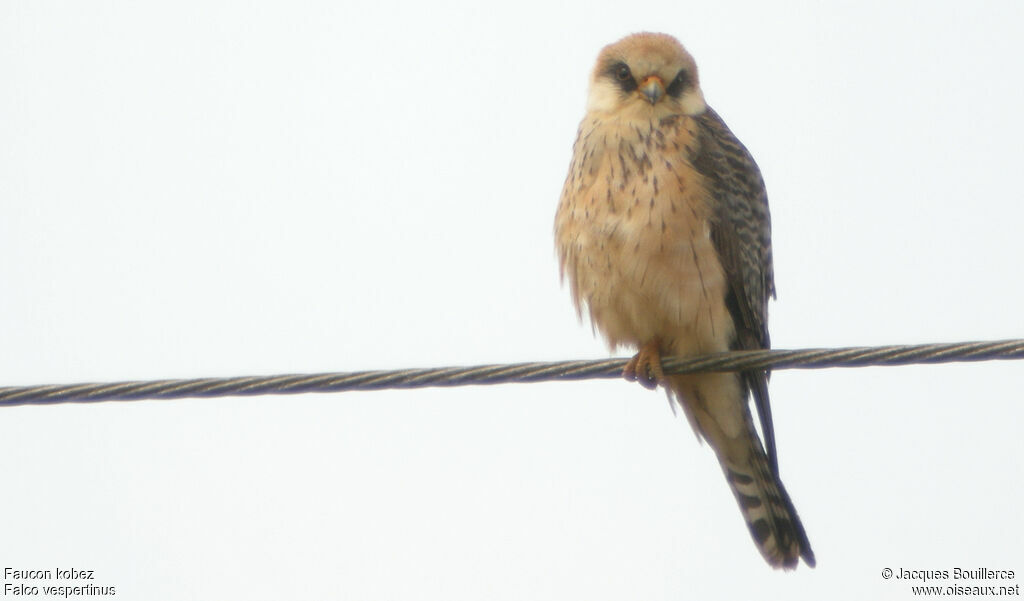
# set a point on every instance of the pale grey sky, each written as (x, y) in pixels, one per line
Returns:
(232, 188)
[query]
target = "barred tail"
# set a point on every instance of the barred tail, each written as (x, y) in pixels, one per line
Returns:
(715, 404)
(767, 509)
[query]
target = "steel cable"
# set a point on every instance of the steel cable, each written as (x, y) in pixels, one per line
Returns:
(508, 373)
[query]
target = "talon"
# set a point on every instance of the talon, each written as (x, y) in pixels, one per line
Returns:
(645, 366)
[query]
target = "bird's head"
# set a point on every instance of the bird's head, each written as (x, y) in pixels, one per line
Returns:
(645, 75)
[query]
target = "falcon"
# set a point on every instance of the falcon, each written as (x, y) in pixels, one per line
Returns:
(664, 235)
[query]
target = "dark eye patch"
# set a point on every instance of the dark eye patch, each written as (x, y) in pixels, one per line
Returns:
(679, 84)
(620, 74)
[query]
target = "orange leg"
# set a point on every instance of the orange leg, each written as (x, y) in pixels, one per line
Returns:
(645, 366)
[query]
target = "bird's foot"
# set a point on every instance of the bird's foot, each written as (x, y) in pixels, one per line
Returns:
(645, 366)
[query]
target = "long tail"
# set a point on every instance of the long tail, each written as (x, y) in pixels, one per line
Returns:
(717, 409)
(767, 509)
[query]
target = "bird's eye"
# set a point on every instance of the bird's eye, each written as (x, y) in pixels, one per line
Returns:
(680, 83)
(622, 72)
(623, 76)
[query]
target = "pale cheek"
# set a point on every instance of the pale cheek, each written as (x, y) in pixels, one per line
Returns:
(693, 103)
(602, 98)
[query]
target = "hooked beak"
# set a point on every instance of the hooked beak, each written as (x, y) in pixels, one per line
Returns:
(652, 88)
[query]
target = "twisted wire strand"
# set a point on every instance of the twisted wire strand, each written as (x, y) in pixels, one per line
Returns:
(508, 373)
